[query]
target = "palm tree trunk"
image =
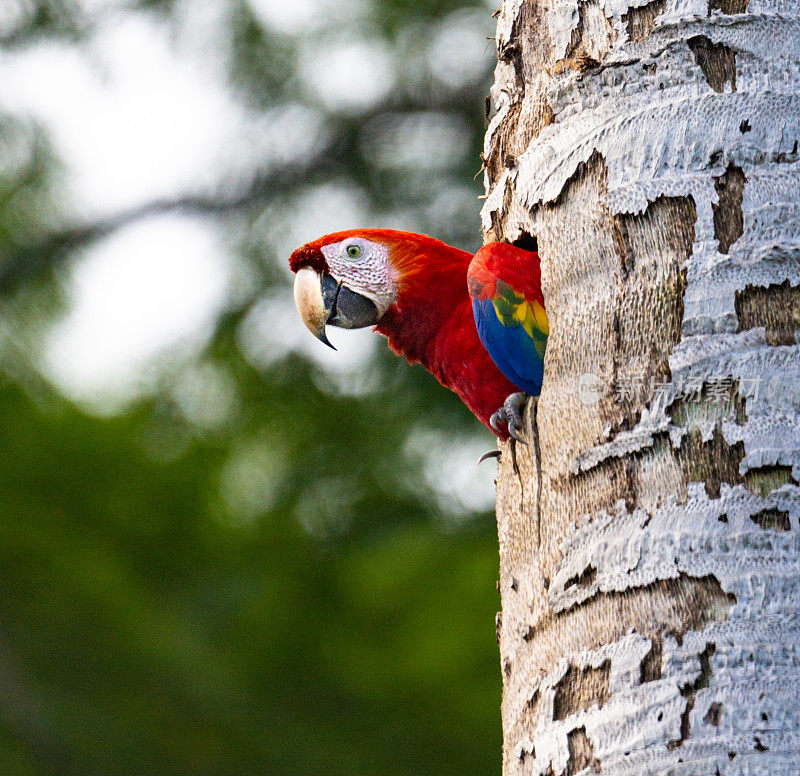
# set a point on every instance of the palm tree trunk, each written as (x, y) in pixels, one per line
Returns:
(649, 571)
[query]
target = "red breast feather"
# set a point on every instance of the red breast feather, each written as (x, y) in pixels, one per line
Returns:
(432, 323)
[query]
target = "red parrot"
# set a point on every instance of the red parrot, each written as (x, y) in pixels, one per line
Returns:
(476, 323)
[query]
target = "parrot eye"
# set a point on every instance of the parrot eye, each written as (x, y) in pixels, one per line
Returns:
(353, 251)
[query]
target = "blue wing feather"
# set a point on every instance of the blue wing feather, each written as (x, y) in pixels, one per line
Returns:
(511, 348)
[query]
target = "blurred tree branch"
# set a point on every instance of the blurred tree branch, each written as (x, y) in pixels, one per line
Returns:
(66, 20)
(26, 262)
(47, 20)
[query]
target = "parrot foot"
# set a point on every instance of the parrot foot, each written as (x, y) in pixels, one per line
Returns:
(511, 414)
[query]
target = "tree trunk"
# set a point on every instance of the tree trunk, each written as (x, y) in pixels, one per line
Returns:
(649, 571)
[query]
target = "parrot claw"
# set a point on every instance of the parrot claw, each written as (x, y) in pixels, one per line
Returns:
(490, 454)
(511, 414)
(513, 432)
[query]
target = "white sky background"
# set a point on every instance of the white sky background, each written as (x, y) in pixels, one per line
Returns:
(132, 121)
(138, 115)
(135, 117)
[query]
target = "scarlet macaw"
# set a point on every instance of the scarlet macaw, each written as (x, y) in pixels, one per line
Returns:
(478, 324)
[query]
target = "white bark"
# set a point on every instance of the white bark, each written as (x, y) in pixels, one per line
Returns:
(650, 572)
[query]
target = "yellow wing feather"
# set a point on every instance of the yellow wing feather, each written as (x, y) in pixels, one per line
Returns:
(531, 316)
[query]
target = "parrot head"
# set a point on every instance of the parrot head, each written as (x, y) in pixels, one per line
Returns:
(345, 279)
(353, 279)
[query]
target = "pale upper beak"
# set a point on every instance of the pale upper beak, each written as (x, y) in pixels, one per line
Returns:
(321, 300)
(310, 303)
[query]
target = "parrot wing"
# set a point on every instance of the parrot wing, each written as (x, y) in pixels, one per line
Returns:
(509, 312)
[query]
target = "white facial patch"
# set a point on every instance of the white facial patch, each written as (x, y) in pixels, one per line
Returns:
(363, 266)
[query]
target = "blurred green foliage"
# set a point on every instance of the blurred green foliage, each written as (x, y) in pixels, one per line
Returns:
(279, 589)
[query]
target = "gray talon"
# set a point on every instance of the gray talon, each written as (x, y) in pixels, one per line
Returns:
(490, 454)
(511, 414)
(513, 432)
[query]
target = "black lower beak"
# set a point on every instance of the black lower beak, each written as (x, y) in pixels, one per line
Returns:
(347, 309)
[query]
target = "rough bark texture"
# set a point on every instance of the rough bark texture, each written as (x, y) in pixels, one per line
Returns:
(649, 572)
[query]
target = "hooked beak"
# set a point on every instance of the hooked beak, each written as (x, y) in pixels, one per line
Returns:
(321, 300)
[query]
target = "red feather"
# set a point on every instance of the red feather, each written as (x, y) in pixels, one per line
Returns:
(432, 321)
(516, 267)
